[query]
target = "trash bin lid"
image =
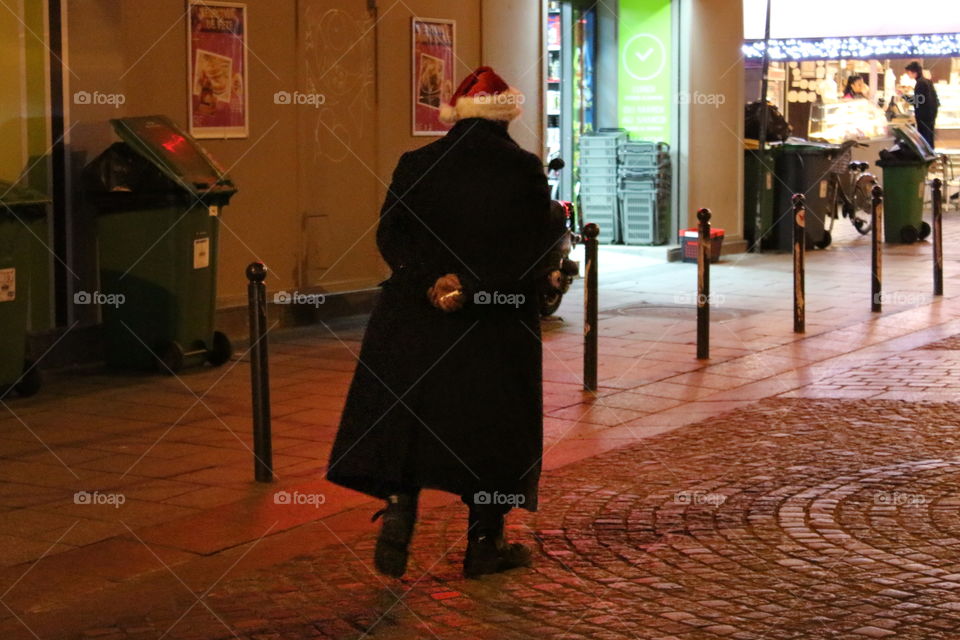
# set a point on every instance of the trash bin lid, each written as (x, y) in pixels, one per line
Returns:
(797, 145)
(175, 152)
(14, 196)
(910, 138)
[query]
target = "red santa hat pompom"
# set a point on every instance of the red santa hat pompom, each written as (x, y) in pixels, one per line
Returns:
(483, 94)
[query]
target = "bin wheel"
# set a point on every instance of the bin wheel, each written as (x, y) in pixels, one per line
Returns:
(824, 241)
(170, 357)
(31, 381)
(221, 351)
(908, 234)
(924, 230)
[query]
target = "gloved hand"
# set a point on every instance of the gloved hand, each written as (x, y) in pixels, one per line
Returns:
(447, 293)
(555, 280)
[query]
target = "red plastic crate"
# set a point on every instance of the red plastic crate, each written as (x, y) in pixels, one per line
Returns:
(690, 238)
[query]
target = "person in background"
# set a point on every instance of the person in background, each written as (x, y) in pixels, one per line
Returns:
(856, 87)
(925, 102)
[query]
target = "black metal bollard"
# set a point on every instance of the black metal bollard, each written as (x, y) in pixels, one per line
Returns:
(260, 373)
(703, 285)
(590, 307)
(799, 266)
(877, 246)
(938, 237)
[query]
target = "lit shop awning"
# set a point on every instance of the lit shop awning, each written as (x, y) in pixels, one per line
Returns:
(821, 19)
(858, 47)
(827, 29)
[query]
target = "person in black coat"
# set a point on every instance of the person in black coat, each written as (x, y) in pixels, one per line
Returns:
(925, 102)
(447, 393)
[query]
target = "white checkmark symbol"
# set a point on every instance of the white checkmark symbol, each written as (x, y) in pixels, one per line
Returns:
(643, 56)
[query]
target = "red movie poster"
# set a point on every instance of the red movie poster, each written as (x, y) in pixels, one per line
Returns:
(434, 65)
(217, 55)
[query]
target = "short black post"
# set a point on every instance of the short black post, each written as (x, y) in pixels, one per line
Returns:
(799, 266)
(260, 373)
(938, 237)
(877, 245)
(590, 307)
(703, 285)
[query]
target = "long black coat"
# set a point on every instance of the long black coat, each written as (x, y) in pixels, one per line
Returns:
(453, 401)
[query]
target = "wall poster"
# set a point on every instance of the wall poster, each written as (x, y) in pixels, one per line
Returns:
(434, 65)
(217, 57)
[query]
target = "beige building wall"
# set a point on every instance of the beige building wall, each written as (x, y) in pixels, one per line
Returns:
(299, 221)
(13, 158)
(139, 50)
(711, 150)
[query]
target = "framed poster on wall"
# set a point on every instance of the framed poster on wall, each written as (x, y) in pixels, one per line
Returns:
(434, 65)
(217, 59)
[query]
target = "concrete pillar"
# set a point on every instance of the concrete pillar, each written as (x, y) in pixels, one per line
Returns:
(607, 68)
(513, 43)
(711, 115)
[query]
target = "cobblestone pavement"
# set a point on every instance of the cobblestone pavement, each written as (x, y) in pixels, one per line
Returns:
(792, 518)
(931, 372)
(620, 554)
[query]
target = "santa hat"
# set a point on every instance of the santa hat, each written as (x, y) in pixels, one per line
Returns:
(483, 94)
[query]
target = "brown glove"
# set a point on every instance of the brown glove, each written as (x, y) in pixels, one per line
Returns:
(447, 293)
(555, 280)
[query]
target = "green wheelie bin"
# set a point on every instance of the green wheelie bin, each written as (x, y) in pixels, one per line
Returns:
(904, 182)
(20, 208)
(803, 167)
(159, 197)
(758, 184)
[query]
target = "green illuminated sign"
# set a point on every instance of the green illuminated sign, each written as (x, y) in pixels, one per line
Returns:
(645, 69)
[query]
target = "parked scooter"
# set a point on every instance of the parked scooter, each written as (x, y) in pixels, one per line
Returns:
(563, 220)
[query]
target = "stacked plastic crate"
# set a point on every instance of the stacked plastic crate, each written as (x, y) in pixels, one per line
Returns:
(599, 177)
(645, 177)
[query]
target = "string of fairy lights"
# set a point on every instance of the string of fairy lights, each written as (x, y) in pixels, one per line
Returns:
(920, 46)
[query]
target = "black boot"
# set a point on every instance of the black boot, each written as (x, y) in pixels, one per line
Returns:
(487, 549)
(399, 516)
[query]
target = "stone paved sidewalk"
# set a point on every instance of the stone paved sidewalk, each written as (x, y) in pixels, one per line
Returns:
(793, 518)
(178, 449)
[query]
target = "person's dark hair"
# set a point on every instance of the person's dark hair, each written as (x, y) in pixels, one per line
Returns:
(916, 67)
(852, 80)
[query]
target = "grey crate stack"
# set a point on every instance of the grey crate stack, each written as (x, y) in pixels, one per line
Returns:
(599, 182)
(645, 177)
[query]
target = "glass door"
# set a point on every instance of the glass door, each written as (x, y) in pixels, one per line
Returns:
(570, 110)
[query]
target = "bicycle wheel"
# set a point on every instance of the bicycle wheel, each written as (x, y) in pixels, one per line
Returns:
(862, 214)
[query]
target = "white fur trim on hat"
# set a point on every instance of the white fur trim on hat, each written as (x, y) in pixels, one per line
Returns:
(497, 106)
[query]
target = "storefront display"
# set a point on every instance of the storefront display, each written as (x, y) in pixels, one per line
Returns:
(817, 98)
(847, 120)
(949, 116)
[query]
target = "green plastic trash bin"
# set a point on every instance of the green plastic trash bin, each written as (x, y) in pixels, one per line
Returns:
(758, 175)
(904, 181)
(158, 196)
(20, 208)
(803, 168)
